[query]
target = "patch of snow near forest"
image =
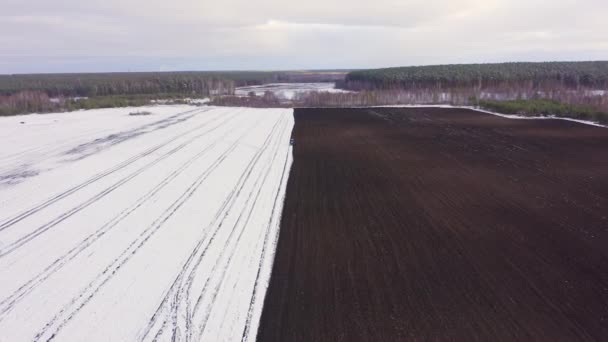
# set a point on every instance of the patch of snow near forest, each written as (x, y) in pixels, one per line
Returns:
(140, 228)
(513, 116)
(287, 91)
(596, 92)
(194, 101)
(508, 116)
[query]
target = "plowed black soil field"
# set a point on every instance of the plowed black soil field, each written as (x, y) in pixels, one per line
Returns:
(441, 224)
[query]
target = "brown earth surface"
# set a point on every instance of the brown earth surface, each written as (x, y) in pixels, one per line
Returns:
(427, 224)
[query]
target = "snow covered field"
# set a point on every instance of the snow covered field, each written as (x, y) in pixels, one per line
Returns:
(288, 91)
(135, 228)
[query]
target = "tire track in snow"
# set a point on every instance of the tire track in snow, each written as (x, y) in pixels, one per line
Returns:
(187, 265)
(89, 148)
(14, 160)
(83, 298)
(216, 277)
(274, 220)
(11, 247)
(178, 296)
(263, 176)
(25, 214)
(57, 323)
(8, 303)
(247, 259)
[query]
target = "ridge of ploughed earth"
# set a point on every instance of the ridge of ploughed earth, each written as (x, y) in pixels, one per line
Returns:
(441, 224)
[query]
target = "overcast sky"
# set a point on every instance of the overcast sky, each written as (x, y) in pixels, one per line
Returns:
(137, 35)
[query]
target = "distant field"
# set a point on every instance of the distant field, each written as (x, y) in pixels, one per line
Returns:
(430, 224)
(287, 91)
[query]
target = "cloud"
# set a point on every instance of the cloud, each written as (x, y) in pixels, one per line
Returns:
(241, 34)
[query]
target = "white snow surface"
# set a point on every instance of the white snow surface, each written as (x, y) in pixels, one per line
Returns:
(288, 91)
(123, 228)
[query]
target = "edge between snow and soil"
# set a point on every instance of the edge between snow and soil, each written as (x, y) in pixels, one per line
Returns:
(507, 116)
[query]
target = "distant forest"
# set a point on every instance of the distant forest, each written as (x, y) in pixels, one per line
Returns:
(571, 89)
(523, 76)
(57, 92)
(137, 83)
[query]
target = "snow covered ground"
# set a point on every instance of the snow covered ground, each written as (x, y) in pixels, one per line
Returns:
(288, 91)
(139, 228)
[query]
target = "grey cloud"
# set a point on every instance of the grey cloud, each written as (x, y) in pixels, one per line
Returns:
(240, 34)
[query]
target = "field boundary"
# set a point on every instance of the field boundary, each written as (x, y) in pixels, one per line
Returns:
(507, 116)
(440, 224)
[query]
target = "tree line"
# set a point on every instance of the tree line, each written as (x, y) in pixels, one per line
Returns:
(203, 83)
(58, 92)
(500, 76)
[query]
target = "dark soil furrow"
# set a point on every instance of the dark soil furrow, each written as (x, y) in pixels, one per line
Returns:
(428, 224)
